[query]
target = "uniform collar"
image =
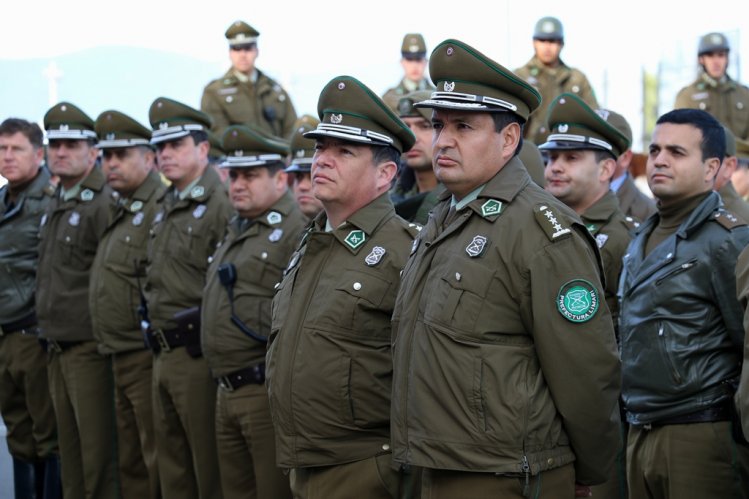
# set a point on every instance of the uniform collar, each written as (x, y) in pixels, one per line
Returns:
(82, 191)
(602, 210)
(200, 190)
(362, 223)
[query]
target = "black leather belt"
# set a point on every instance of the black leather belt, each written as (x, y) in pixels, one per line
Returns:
(721, 412)
(19, 326)
(254, 375)
(166, 340)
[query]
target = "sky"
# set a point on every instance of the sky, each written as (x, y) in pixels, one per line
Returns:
(305, 44)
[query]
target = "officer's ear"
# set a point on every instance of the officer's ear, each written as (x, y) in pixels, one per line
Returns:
(608, 167)
(385, 174)
(511, 134)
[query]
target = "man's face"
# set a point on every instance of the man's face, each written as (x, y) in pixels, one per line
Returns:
(343, 173)
(419, 157)
(243, 57)
(302, 188)
(126, 167)
(71, 160)
(548, 51)
(19, 160)
(467, 150)
(740, 179)
(414, 69)
(182, 161)
(576, 178)
(252, 191)
(715, 63)
(675, 168)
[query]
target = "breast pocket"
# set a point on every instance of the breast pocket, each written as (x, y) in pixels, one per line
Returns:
(363, 303)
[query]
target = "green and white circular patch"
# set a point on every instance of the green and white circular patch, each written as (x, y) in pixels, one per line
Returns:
(578, 300)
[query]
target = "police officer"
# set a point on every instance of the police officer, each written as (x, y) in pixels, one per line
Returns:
(723, 184)
(714, 91)
(25, 402)
(236, 311)
(505, 372)
(414, 64)
(302, 150)
(117, 276)
(418, 202)
(329, 360)
(190, 221)
(740, 177)
(632, 201)
(80, 378)
(245, 95)
(742, 394)
(551, 76)
(681, 324)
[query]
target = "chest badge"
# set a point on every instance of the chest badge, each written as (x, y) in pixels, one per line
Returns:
(274, 218)
(159, 217)
(355, 238)
(75, 219)
(374, 257)
(476, 246)
(577, 301)
(601, 240)
(491, 207)
(136, 206)
(138, 219)
(275, 236)
(199, 211)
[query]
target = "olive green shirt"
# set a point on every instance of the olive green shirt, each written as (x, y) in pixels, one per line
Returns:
(742, 286)
(184, 235)
(504, 357)
(19, 246)
(120, 268)
(329, 363)
(726, 99)
(70, 234)
(260, 252)
(405, 87)
(551, 82)
(260, 102)
(733, 202)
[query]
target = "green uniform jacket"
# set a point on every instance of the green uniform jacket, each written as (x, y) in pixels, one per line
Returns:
(742, 285)
(393, 95)
(633, 202)
(733, 202)
(416, 208)
(550, 83)
(184, 235)
(329, 367)
(263, 104)
(70, 233)
(19, 246)
(260, 254)
(489, 375)
(727, 100)
(612, 230)
(119, 264)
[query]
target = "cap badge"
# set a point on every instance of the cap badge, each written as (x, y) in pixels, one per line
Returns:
(199, 211)
(548, 27)
(355, 238)
(138, 219)
(63, 108)
(275, 236)
(450, 50)
(238, 152)
(374, 257)
(110, 136)
(64, 128)
(476, 246)
(197, 191)
(300, 153)
(449, 86)
(716, 39)
(413, 48)
(87, 195)
(136, 205)
(274, 218)
(75, 219)
(163, 126)
(563, 128)
(341, 86)
(336, 118)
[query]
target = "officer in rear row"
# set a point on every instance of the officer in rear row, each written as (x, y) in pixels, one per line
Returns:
(189, 223)
(302, 150)
(236, 307)
(117, 275)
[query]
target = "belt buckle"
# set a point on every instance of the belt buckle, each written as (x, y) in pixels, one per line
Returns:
(647, 427)
(225, 383)
(161, 339)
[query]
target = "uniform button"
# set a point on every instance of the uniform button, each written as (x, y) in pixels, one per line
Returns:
(385, 447)
(702, 106)
(457, 276)
(669, 255)
(357, 286)
(264, 255)
(67, 239)
(127, 239)
(210, 259)
(550, 461)
(229, 98)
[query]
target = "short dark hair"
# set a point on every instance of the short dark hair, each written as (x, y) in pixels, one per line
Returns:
(603, 155)
(30, 130)
(199, 136)
(383, 154)
(713, 143)
(501, 120)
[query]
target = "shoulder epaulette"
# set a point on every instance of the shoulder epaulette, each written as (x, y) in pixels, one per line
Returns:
(727, 219)
(550, 220)
(630, 223)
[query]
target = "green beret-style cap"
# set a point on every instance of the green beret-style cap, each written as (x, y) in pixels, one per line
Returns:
(117, 130)
(713, 42)
(241, 33)
(574, 125)
(414, 46)
(533, 161)
(467, 80)
(406, 108)
(302, 148)
(350, 111)
(730, 142)
(248, 147)
(617, 121)
(549, 28)
(65, 121)
(172, 120)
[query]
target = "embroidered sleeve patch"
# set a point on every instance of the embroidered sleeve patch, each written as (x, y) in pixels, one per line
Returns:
(578, 300)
